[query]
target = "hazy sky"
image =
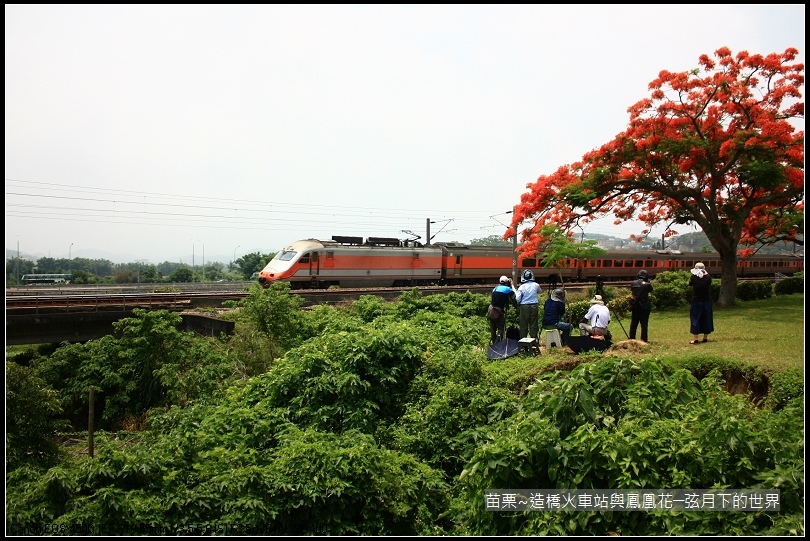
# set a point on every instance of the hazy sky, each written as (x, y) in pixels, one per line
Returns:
(170, 132)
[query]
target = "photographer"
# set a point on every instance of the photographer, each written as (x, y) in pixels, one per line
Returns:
(640, 305)
(527, 297)
(503, 293)
(596, 320)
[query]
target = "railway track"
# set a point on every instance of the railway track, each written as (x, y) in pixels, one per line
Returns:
(105, 300)
(103, 297)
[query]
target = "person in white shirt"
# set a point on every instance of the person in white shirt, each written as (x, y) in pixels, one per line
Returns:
(596, 320)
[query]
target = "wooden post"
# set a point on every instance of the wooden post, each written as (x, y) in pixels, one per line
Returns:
(90, 423)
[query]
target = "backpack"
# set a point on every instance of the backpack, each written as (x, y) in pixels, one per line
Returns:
(494, 313)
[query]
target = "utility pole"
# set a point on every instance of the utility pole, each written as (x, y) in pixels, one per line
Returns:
(514, 245)
(514, 258)
(427, 236)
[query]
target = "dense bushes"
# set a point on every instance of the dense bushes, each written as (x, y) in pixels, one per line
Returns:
(753, 290)
(32, 423)
(148, 364)
(788, 286)
(385, 419)
(624, 425)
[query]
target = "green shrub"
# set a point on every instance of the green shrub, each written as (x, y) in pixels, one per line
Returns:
(788, 286)
(370, 307)
(346, 380)
(150, 363)
(276, 313)
(32, 422)
(784, 387)
(754, 289)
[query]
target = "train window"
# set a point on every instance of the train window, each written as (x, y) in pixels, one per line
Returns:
(304, 259)
(330, 255)
(286, 255)
(618, 263)
(458, 260)
(528, 262)
(315, 256)
(607, 263)
(639, 263)
(416, 255)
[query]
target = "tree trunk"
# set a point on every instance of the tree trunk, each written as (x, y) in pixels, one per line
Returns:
(728, 279)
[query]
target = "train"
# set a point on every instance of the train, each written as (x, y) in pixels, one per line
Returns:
(46, 278)
(346, 261)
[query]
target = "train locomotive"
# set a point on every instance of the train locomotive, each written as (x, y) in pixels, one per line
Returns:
(390, 262)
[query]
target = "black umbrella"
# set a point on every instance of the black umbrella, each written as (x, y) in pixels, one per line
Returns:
(503, 349)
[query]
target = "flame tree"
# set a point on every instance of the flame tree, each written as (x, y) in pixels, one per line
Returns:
(713, 146)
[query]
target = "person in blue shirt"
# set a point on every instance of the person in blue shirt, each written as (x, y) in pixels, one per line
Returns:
(503, 293)
(527, 298)
(554, 314)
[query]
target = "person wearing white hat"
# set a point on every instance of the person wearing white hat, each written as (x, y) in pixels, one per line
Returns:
(701, 315)
(596, 319)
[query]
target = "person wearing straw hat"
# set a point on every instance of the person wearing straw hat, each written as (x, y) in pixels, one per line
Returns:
(701, 315)
(596, 320)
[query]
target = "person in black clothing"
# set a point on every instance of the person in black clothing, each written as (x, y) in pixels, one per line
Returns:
(701, 316)
(600, 285)
(641, 306)
(502, 295)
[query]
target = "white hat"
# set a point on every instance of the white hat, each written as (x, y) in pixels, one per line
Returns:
(700, 266)
(597, 299)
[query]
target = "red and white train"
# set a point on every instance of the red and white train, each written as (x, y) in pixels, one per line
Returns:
(387, 262)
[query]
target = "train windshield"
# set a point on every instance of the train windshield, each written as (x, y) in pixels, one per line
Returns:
(285, 255)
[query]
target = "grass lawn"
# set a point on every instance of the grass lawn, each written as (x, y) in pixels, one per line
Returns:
(768, 333)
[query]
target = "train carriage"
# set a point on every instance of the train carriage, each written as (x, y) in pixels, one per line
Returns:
(462, 264)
